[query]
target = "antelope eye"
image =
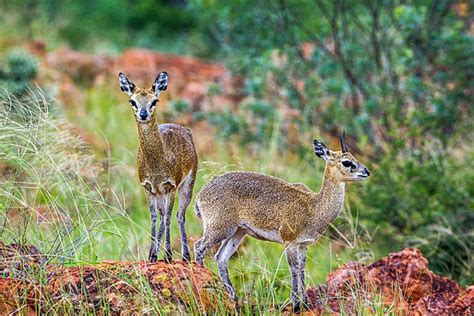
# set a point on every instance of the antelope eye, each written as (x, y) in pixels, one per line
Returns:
(153, 103)
(347, 163)
(133, 103)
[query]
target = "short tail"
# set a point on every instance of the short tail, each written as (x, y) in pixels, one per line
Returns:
(197, 210)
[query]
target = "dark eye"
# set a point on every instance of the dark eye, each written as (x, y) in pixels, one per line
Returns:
(347, 163)
(133, 103)
(153, 103)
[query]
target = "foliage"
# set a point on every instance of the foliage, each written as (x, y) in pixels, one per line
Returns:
(427, 204)
(104, 24)
(382, 66)
(18, 70)
(396, 77)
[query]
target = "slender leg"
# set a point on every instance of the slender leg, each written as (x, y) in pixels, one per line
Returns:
(156, 236)
(168, 207)
(223, 256)
(185, 192)
(155, 242)
(209, 240)
(292, 251)
(302, 260)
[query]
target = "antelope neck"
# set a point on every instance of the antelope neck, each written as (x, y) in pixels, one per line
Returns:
(150, 140)
(331, 195)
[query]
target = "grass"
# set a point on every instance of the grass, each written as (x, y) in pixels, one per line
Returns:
(97, 207)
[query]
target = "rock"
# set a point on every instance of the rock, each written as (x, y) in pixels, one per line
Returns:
(16, 259)
(110, 287)
(178, 287)
(401, 279)
(83, 68)
(451, 301)
(402, 272)
(344, 285)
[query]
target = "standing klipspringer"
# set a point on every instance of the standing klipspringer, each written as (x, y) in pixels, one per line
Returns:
(267, 208)
(167, 162)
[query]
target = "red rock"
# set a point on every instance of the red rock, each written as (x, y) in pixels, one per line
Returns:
(453, 302)
(195, 93)
(317, 298)
(110, 287)
(402, 272)
(81, 67)
(344, 285)
(402, 279)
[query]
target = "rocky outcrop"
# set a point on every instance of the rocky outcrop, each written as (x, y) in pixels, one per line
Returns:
(400, 282)
(202, 84)
(28, 285)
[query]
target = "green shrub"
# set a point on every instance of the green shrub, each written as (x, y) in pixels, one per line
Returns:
(227, 123)
(19, 69)
(427, 204)
(180, 107)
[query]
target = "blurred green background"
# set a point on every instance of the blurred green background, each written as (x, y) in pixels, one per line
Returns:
(397, 76)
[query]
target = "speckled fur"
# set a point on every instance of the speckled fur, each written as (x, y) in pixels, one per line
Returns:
(268, 208)
(167, 163)
(166, 155)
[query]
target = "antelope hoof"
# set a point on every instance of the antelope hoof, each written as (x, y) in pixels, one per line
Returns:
(305, 303)
(186, 257)
(168, 257)
(237, 306)
(297, 308)
(152, 257)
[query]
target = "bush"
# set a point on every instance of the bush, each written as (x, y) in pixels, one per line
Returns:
(20, 68)
(427, 204)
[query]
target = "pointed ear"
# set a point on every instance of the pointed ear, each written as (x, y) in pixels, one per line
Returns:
(125, 85)
(321, 150)
(160, 84)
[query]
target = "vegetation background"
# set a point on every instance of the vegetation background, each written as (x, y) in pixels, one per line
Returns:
(397, 76)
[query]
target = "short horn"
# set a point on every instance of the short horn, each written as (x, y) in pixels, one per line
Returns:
(343, 142)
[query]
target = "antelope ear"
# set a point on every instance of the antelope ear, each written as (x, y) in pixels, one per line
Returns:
(321, 150)
(160, 84)
(125, 85)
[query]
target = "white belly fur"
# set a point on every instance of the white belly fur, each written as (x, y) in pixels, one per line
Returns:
(262, 234)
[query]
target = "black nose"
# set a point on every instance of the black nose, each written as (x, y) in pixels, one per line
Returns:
(143, 115)
(367, 171)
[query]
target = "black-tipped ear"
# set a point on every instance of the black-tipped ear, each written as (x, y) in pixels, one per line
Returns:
(125, 85)
(160, 84)
(320, 150)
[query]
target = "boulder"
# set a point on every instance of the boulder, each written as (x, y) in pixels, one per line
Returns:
(401, 280)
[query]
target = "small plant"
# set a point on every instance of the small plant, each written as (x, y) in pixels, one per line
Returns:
(19, 69)
(228, 123)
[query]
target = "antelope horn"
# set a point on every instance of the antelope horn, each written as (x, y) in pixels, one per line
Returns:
(342, 138)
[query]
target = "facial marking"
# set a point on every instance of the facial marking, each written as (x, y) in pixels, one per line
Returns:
(144, 101)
